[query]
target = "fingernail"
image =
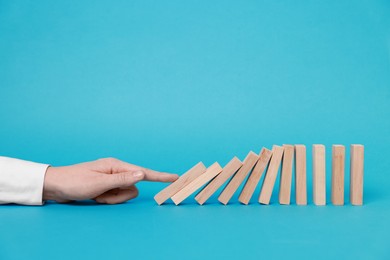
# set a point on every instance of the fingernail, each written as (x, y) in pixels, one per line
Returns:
(138, 174)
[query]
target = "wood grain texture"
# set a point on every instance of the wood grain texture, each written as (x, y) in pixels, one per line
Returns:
(338, 168)
(270, 176)
(238, 178)
(255, 176)
(356, 175)
(231, 168)
(190, 188)
(183, 180)
(300, 175)
(286, 175)
(319, 175)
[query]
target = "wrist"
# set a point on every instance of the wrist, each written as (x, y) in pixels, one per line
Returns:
(49, 185)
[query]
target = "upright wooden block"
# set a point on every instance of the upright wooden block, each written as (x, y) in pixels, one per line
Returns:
(255, 176)
(184, 193)
(319, 173)
(186, 178)
(270, 176)
(238, 178)
(357, 169)
(338, 167)
(230, 169)
(300, 175)
(286, 175)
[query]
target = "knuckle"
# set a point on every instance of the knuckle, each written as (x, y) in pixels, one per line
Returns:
(111, 159)
(123, 179)
(108, 160)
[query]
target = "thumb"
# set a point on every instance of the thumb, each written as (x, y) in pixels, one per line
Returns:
(124, 179)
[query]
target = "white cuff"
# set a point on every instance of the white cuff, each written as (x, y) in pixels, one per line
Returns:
(21, 182)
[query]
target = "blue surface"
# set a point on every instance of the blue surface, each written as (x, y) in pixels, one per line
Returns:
(165, 84)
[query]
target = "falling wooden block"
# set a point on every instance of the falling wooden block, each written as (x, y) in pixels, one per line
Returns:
(319, 180)
(186, 178)
(184, 193)
(300, 175)
(255, 176)
(230, 169)
(286, 175)
(357, 169)
(270, 176)
(238, 178)
(338, 166)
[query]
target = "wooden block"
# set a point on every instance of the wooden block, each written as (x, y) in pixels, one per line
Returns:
(357, 170)
(319, 173)
(270, 176)
(300, 175)
(255, 176)
(286, 175)
(184, 193)
(338, 166)
(184, 179)
(238, 178)
(230, 169)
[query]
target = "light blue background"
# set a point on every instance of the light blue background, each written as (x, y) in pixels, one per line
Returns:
(165, 84)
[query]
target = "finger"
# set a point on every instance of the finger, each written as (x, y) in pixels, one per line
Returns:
(121, 180)
(151, 175)
(118, 166)
(117, 196)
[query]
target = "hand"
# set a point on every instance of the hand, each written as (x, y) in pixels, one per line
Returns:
(108, 180)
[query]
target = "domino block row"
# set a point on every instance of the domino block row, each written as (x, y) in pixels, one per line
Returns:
(269, 161)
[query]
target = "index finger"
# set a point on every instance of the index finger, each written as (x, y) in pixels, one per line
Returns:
(150, 175)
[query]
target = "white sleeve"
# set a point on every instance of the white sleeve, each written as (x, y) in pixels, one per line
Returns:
(21, 182)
